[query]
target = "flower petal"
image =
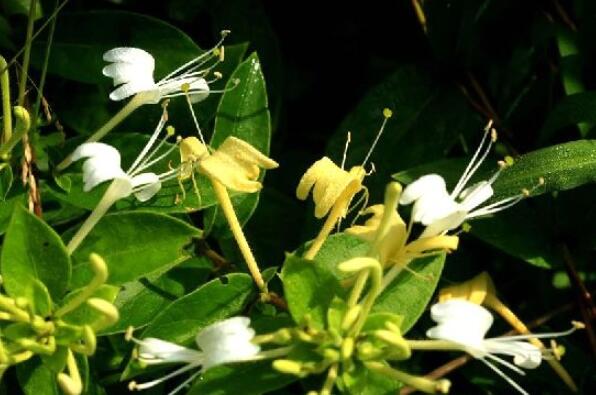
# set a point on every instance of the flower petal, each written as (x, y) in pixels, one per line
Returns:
(429, 185)
(227, 341)
(475, 195)
(137, 56)
(461, 322)
(149, 184)
(103, 163)
(156, 351)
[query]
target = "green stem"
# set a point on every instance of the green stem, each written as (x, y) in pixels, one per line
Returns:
(433, 345)
(116, 190)
(27, 53)
(138, 100)
(420, 383)
(44, 69)
(6, 108)
(21, 129)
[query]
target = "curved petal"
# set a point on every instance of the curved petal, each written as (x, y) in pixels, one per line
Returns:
(100, 150)
(451, 221)
(155, 351)
(461, 322)
(198, 88)
(149, 184)
(227, 341)
(428, 185)
(475, 195)
(103, 163)
(127, 72)
(131, 88)
(524, 354)
(131, 55)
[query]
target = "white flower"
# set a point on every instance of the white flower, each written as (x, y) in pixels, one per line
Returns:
(440, 210)
(220, 343)
(132, 71)
(104, 163)
(466, 324)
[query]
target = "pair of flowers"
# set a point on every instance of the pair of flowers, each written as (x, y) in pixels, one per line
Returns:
(461, 324)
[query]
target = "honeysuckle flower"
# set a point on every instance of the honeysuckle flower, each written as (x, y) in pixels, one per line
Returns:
(236, 165)
(103, 163)
(331, 186)
(227, 341)
(334, 188)
(440, 210)
(132, 71)
(466, 324)
(481, 290)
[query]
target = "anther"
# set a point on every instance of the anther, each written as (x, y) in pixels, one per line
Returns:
(217, 75)
(387, 113)
(170, 130)
(493, 135)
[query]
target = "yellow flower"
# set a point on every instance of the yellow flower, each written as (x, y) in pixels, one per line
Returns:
(393, 248)
(391, 241)
(332, 186)
(236, 164)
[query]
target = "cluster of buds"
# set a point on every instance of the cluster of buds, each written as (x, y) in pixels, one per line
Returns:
(61, 333)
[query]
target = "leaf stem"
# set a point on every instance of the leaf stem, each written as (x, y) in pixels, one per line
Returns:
(138, 100)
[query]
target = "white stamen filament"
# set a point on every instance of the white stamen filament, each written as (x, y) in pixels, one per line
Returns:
(150, 143)
(177, 372)
(475, 162)
(201, 59)
(504, 376)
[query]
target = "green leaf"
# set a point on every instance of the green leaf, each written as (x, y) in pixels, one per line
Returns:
(33, 259)
(564, 166)
(361, 381)
(522, 232)
(37, 379)
(409, 293)
(21, 7)
(243, 112)
(309, 289)
(77, 48)
(577, 108)
(140, 301)
(5, 180)
(252, 378)
(133, 244)
(218, 299)
(8, 207)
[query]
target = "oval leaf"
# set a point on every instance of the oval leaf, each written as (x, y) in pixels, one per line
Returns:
(32, 254)
(133, 244)
(409, 293)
